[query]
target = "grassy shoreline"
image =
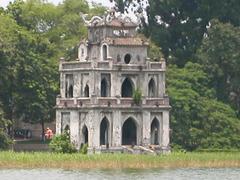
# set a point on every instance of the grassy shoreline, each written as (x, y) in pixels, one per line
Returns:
(10, 159)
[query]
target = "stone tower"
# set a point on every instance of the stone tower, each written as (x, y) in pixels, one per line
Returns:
(96, 101)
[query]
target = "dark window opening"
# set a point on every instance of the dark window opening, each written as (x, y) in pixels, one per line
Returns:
(104, 51)
(86, 91)
(129, 132)
(104, 88)
(70, 91)
(151, 88)
(104, 132)
(69, 86)
(127, 58)
(155, 132)
(85, 134)
(127, 88)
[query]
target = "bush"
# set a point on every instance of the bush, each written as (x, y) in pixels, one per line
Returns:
(84, 149)
(5, 141)
(62, 144)
(137, 96)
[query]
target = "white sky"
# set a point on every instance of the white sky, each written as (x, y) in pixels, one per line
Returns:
(4, 3)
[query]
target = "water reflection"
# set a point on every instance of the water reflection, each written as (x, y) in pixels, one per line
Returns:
(124, 174)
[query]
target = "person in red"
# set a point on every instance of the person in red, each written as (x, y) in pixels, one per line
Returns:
(49, 133)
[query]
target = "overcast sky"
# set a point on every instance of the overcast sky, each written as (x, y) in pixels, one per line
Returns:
(4, 3)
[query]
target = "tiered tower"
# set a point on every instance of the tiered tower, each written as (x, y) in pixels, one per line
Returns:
(96, 101)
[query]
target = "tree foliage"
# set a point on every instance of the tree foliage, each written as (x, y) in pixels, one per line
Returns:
(197, 119)
(33, 36)
(4, 138)
(219, 54)
(178, 26)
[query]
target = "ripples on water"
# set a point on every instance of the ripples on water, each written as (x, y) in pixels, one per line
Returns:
(166, 174)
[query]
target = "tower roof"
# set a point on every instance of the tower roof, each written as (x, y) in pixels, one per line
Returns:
(110, 19)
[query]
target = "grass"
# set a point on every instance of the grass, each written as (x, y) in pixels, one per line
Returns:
(10, 159)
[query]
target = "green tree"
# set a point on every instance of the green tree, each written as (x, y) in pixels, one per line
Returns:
(197, 119)
(4, 138)
(28, 74)
(219, 54)
(178, 26)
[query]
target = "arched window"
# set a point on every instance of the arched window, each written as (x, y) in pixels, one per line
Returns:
(104, 88)
(70, 91)
(104, 52)
(86, 91)
(104, 132)
(127, 88)
(151, 88)
(155, 134)
(85, 134)
(69, 85)
(129, 132)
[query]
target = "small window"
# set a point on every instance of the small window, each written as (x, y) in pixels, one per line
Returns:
(127, 58)
(86, 91)
(104, 52)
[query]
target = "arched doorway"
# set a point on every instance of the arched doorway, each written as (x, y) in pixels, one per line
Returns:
(104, 88)
(104, 132)
(127, 88)
(85, 134)
(104, 52)
(86, 91)
(151, 88)
(129, 132)
(155, 135)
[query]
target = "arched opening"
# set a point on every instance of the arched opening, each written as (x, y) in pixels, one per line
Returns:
(70, 91)
(127, 88)
(104, 132)
(129, 132)
(104, 88)
(86, 91)
(85, 134)
(151, 88)
(155, 132)
(127, 58)
(104, 52)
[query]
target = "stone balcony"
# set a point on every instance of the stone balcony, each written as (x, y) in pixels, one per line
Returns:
(109, 65)
(114, 102)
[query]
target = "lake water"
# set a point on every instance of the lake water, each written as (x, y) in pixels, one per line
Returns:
(174, 174)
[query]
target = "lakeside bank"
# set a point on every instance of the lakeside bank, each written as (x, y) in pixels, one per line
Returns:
(9, 159)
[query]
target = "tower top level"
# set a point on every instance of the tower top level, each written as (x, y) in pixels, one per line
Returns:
(110, 25)
(113, 37)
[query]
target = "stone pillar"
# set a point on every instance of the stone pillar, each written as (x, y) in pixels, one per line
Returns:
(74, 128)
(117, 129)
(165, 134)
(76, 86)
(95, 129)
(58, 122)
(146, 128)
(62, 84)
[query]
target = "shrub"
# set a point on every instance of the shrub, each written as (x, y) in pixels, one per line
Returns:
(137, 96)
(84, 149)
(5, 141)
(62, 144)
